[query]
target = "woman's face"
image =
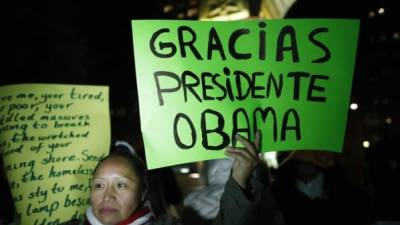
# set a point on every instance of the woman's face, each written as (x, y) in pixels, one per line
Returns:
(115, 192)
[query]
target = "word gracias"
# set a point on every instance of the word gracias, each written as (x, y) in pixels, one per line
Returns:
(187, 39)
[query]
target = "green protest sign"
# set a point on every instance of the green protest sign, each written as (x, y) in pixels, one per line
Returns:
(199, 83)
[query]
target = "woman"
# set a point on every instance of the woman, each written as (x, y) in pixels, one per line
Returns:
(118, 191)
(119, 188)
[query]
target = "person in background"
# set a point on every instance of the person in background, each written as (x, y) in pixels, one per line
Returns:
(311, 188)
(202, 206)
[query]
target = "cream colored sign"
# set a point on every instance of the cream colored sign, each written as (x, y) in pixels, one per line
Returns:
(51, 137)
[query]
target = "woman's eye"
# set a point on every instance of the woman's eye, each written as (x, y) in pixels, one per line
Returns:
(122, 185)
(98, 186)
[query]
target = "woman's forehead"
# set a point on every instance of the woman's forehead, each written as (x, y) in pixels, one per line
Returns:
(116, 164)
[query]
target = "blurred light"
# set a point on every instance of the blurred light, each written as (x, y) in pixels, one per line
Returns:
(184, 170)
(366, 144)
(181, 15)
(396, 35)
(274, 9)
(236, 16)
(224, 10)
(388, 120)
(381, 10)
(194, 175)
(192, 12)
(371, 14)
(168, 8)
(271, 159)
(353, 106)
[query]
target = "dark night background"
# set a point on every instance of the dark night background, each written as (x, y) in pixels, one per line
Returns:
(90, 42)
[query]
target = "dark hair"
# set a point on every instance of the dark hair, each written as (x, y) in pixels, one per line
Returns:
(136, 163)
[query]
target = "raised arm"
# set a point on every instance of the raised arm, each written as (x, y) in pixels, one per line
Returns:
(245, 196)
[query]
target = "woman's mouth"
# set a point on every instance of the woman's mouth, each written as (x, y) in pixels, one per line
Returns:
(107, 210)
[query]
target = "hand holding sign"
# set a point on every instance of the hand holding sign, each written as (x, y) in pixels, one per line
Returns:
(246, 159)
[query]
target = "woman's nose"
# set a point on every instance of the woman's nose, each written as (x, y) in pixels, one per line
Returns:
(109, 193)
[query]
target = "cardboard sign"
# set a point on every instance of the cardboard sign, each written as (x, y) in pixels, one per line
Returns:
(199, 83)
(51, 138)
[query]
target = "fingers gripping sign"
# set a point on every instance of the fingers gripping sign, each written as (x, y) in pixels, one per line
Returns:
(246, 159)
